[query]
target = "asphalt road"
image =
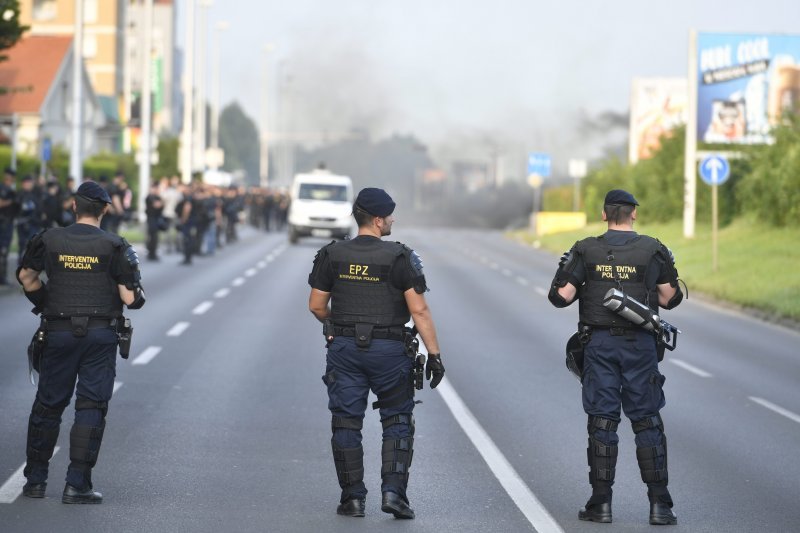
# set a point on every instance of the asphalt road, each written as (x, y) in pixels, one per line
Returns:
(219, 421)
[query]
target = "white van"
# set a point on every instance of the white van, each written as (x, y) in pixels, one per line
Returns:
(321, 206)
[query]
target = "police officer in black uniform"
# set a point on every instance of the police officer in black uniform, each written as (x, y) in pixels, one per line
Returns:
(8, 210)
(374, 288)
(620, 362)
(91, 274)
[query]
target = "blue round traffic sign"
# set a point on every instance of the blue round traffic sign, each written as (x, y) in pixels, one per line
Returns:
(715, 170)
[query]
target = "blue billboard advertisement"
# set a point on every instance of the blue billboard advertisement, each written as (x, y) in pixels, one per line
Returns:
(745, 83)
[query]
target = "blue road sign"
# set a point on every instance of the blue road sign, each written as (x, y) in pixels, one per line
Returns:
(715, 170)
(47, 149)
(539, 164)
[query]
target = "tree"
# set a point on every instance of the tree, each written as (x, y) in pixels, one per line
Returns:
(238, 137)
(10, 30)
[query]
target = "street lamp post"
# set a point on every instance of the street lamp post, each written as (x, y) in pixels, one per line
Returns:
(202, 80)
(146, 145)
(76, 153)
(216, 161)
(264, 144)
(188, 96)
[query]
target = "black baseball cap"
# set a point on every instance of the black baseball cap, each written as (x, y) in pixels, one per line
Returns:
(619, 197)
(93, 192)
(376, 202)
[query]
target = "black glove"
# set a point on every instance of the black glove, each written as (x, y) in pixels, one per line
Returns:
(434, 368)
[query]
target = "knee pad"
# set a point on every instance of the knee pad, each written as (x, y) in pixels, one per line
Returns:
(602, 460)
(653, 463)
(349, 463)
(399, 424)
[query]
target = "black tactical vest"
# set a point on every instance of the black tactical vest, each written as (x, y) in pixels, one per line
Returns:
(362, 290)
(78, 270)
(615, 267)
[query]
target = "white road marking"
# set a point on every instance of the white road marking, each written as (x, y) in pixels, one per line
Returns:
(691, 368)
(237, 282)
(202, 308)
(117, 386)
(494, 266)
(776, 408)
(250, 272)
(483, 259)
(270, 258)
(222, 293)
(177, 329)
(12, 488)
(506, 272)
(523, 497)
(261, 264)
(522, 281)
(540, 290)
(147, 355)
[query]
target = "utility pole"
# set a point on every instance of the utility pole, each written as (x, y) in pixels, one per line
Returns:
(264, 137)
(146, 145)
(188, 96)
(76, 153)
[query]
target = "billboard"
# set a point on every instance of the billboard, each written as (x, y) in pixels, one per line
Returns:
(657, 106)
(744, 83)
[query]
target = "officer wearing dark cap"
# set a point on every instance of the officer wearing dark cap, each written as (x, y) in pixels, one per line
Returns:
(8, 210)
(374, 287)
(90, 275)
(29, 213)
(620, 359)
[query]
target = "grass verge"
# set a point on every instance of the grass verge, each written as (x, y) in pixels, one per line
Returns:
(756, 262)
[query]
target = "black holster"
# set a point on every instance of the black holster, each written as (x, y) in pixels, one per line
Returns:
(36, 347)
(124, 335)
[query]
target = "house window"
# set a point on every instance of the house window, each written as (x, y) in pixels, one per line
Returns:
(90, 11)
(44, 10)
(89, 46)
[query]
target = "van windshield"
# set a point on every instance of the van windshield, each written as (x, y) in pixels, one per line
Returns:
(320, 191)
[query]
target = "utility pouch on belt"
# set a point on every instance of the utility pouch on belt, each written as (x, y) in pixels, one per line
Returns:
(364, 335)
(124, 334)
(79, 325)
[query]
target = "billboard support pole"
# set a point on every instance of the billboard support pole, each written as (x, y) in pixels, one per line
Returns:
(690, 154)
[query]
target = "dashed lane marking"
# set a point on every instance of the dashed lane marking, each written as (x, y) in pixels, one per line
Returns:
(147, 355)
(261, 264)
(250, 272)
(522, 281)
(222, 293)
(237, 282)
(177, 329)
(520, 493)
(202, 308)
(12, 488)
(776, 408)
(540, 291)
(506, 272)
(690, 368)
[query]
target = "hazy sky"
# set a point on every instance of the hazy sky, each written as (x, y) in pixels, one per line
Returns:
(504, 71)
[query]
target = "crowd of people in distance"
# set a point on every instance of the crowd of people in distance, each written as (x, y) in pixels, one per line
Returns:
(193, 219)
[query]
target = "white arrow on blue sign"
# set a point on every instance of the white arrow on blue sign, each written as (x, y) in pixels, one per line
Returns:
(715, 170)
(539, 164)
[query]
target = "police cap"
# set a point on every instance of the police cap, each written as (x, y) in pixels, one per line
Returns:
(93, 192)
(375, 201)
(10, 171)
(620, 197)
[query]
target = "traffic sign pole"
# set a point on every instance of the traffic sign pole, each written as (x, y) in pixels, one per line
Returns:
(715, 171)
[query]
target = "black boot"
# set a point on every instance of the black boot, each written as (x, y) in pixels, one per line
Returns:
(392, 503)
(73, 495)
(352, 507)
(597, 512)
(662, 515)
(34, 490)
(602, 460)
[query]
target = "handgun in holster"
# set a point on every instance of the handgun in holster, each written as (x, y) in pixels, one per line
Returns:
(412, 349)
(124, 334)
(36, 347)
